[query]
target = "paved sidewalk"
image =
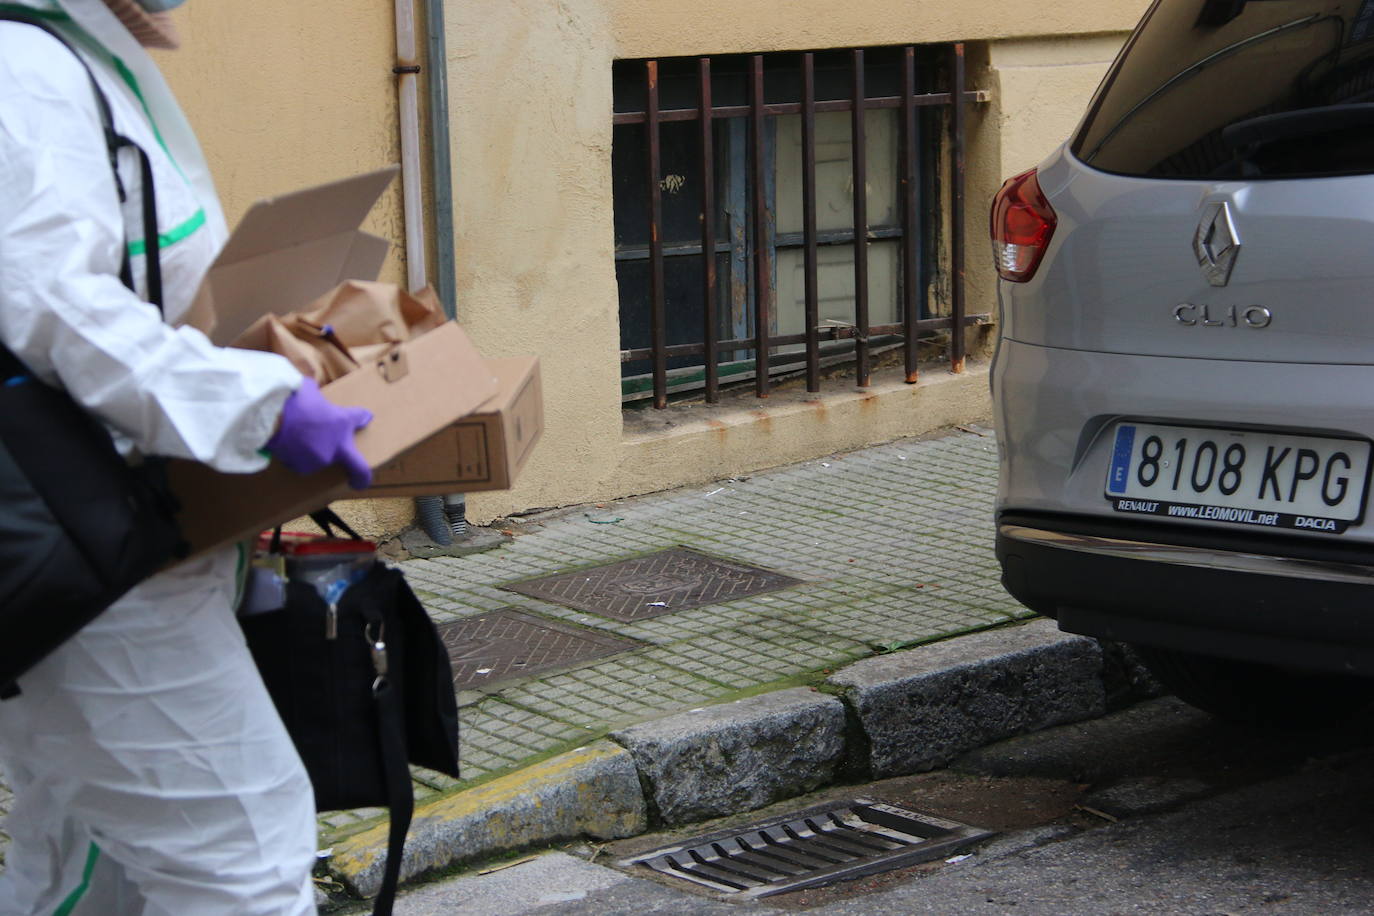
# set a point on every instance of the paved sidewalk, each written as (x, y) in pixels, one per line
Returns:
(891, 547)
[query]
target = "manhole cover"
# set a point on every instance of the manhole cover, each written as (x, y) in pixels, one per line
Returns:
(660, 583)
(834, 842)
(509, 643)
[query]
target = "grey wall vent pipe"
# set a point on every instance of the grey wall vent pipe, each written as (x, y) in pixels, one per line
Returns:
(441, 518)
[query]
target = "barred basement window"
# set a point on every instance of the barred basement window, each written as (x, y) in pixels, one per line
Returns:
(775, 167)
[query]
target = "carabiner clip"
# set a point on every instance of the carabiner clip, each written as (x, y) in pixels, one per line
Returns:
(377, 645)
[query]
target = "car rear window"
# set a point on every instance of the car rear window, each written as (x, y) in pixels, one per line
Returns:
(1238, 89)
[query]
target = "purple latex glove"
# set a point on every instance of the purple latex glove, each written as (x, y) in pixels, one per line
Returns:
(313, 434)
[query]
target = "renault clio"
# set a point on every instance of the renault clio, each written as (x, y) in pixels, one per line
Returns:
(1184, 380)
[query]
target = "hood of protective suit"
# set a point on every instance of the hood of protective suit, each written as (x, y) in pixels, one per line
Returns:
(93, 26)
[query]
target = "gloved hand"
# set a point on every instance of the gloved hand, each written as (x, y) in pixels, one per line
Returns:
(313, 434)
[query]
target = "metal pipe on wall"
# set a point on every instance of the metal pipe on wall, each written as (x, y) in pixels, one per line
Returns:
(441, 517)
(441, 164)
(407, 72)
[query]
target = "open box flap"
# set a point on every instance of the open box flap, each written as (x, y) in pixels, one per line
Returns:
(286, 280)
(287, 251)
(364, 258)
(304, 216)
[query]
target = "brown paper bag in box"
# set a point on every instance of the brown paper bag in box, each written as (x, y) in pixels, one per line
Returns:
(352, 324)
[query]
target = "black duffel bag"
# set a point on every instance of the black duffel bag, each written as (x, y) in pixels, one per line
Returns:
(79, 526)
(364, 687)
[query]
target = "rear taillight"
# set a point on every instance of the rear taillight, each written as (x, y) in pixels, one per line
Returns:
(1022, 223)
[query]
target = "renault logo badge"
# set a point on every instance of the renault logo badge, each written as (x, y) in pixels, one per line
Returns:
(1216, 243)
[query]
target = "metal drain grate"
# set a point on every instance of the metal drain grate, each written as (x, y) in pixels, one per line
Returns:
(817, 846)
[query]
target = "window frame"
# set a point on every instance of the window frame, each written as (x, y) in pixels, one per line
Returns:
(749, 200)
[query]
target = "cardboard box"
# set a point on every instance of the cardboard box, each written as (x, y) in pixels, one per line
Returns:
(443, 378)
(484, 451)
(304, 245)
(289, 250)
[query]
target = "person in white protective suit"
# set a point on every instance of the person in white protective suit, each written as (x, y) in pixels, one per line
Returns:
(151, 773)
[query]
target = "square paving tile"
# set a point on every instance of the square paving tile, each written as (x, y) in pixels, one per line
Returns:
(508, 643)
(670, 580)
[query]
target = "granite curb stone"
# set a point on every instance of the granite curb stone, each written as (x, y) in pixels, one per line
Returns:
(917, 709)
(923, 707)
(718, 760)
(592, 791)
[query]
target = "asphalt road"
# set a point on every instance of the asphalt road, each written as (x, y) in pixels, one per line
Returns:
(1157, 809)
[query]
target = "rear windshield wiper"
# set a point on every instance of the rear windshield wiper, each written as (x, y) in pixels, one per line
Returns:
(1253, 133)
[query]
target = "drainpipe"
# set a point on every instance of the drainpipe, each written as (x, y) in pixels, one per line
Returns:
(407, 72)
(442, 518)
(441, 167)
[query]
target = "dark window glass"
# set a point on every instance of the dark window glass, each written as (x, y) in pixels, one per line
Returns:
(681, 183)
(1226, 89)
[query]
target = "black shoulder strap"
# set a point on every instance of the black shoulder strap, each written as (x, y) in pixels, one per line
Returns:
(328, 520)
(114, 142)
(400, 793)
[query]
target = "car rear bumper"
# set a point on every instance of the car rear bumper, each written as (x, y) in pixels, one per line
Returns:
(1055, 412)
(1294, 602)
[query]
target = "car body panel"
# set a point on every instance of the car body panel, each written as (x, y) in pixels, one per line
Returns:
(1122, 263)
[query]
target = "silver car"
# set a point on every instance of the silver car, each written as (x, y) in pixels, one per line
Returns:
(1184, 382)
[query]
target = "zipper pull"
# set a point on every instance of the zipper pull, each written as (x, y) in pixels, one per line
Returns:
(332, 595)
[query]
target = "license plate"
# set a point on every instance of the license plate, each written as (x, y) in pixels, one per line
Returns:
(1222, 475)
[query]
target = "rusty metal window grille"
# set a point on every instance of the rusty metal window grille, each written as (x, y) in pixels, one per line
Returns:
(765, 184)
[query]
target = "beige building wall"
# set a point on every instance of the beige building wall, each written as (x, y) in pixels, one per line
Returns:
(1032, 80)
(290, 94)
(287, 95)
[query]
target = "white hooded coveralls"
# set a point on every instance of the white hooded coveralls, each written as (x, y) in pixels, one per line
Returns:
(151, 773)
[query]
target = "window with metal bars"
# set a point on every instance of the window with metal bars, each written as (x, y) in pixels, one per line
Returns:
(766, 185)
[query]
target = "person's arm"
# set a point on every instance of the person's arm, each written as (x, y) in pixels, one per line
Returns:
(63, 309)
